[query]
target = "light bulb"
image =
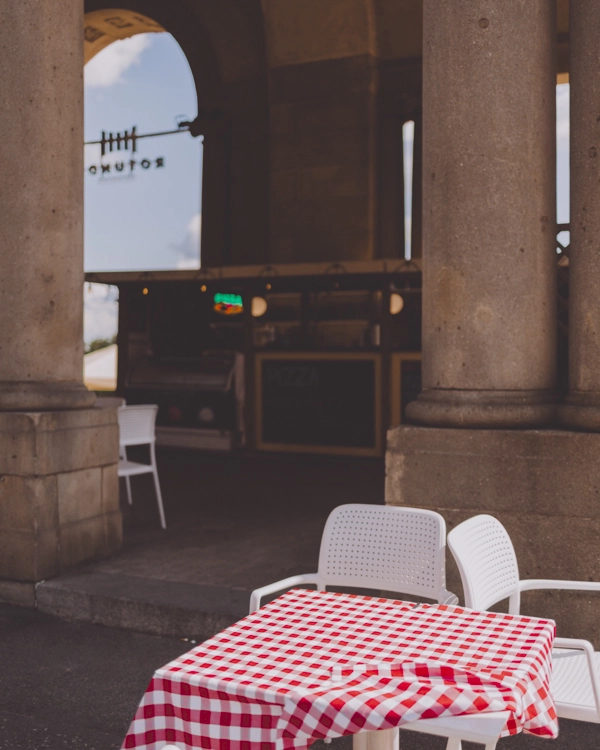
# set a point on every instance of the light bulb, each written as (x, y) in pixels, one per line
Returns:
(396, 303)
(258, 307)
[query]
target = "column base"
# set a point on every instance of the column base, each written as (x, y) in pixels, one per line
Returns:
(483, 408)
(42, 396)
(59, 491)
(541, 484)
(581, 411)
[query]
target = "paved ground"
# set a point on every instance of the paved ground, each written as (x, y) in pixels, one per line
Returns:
(76, 686)
(71, 685)
(234, 523)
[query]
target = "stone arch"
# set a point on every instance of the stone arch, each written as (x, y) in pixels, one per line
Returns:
(103, 27)
(312, 31)
(224, 46)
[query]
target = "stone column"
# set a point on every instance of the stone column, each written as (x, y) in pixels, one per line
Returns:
(41, 205)
(489, 322)
(582, 408)
(59, 502)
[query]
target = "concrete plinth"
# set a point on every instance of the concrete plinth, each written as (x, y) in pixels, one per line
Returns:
(59, 492)
(543, 485)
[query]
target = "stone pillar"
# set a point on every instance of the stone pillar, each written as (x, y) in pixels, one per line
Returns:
(58, 467)
(41, 205)
(489, 309)
(582, 408)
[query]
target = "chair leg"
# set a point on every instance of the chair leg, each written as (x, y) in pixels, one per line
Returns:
(128, 484)
(161, 510)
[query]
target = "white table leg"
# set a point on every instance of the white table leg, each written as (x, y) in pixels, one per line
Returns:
(454, 744)
(384, 739)
(360, 741)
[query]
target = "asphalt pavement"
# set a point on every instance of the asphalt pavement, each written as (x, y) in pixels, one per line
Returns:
(76, 685)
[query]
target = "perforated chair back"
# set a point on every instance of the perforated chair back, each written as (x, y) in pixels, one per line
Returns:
(385, 547)
(486, 560)
(136, 424)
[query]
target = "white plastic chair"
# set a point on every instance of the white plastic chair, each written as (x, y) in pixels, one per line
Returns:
(136, 427)
(488, 568)
(378, 547)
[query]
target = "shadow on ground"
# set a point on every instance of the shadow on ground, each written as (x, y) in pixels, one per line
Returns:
(239, 520)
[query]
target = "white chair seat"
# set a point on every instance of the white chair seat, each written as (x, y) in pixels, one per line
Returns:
(572, 686)
(130, 468)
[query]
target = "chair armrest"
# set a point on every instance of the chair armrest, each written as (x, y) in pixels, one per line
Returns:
(533, 584)
(588, 649)
(448, 597)
(285, 583)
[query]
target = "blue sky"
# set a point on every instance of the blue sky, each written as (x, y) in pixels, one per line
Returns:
(150, 220)
(562, 153)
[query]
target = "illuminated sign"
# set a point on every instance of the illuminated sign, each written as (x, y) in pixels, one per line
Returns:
(228, 304)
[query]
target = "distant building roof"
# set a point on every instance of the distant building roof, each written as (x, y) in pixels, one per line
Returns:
(100, 369)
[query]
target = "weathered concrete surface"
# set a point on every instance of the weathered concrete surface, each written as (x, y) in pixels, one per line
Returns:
(58, 489)
(582, 409)
(489, 275)
(41, 206)
(544, 486)
(145, 605)
(59, 494)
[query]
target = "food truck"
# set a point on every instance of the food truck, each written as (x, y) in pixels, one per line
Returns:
(311, 358)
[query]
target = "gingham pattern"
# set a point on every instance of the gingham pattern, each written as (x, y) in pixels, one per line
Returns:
(319, 664)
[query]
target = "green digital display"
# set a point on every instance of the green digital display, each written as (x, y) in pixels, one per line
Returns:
(228, 299)
(228, 304)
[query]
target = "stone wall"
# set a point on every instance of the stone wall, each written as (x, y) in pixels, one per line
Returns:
(543, 485)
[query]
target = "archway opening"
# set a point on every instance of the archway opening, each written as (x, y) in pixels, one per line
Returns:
(143, 192)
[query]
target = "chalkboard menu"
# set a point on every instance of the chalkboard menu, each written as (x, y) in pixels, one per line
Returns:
(319, 401)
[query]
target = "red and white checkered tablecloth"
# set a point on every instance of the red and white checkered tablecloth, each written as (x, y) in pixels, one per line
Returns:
(319, 664)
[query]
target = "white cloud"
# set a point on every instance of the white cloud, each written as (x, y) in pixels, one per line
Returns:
(194, 226)
(188, 249)
(100, 312)
(109, 65)
(187, 264)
